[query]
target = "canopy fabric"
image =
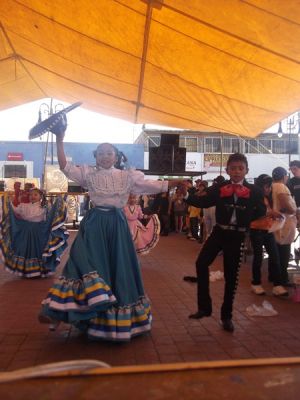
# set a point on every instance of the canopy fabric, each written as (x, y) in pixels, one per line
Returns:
(217, 65)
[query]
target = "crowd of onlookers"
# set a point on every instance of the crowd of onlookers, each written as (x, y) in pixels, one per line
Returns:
(174, 214)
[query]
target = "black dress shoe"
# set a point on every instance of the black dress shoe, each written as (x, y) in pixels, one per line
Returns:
(227, 325)
(200, 314)
(190, 278)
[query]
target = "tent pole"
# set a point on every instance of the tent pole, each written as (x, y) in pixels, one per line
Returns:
(221, 161)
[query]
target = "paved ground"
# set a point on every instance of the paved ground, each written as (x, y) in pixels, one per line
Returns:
(174, 338)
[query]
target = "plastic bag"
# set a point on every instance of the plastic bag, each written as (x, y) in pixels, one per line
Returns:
(216, 276)
(277, 224)
(265, 310)
(287, 233)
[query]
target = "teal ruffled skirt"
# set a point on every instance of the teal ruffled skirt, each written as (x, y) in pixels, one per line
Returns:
(101, 290)
(33, 249)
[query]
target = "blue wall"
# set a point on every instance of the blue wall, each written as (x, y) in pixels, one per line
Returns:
(81, 153)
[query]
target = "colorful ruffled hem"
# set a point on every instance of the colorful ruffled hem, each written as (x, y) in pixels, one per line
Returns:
(90, 305)
(79, 295)
(33, 267)
(121, 323)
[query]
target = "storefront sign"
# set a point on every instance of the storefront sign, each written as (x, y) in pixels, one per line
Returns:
(215, 161)
(193, 162)
(15, 156)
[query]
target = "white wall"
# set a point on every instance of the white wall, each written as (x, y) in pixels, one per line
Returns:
(265, 163)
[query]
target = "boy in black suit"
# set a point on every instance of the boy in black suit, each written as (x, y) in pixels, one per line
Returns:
(237, 204)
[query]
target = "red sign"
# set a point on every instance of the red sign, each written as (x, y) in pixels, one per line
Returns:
(15, 157)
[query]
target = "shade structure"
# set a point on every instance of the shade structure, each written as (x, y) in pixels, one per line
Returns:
(217, 65)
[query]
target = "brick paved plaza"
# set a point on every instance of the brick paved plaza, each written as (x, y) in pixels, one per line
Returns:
(174, 338)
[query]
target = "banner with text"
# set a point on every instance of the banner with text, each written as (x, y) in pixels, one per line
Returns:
(215, 162)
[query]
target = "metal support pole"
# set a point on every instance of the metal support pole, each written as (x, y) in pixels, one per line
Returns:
(221, 161)
(290, 122)
(48, 110)
(51, 113)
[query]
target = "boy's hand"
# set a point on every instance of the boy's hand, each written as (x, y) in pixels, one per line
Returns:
(182, 188)
(174, 183)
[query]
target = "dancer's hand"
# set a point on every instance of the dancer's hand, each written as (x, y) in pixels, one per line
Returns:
(60, 128)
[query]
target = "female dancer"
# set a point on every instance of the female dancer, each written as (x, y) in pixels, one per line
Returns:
(101, 290)
(145, 238)
(32, 237)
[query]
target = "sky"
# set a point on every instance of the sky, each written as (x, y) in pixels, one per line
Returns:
(83, 125)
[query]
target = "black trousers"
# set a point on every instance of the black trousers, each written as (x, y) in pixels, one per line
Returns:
(232, 245)
(164, 223)
(284, 257)
(194, 226)
(260, 238)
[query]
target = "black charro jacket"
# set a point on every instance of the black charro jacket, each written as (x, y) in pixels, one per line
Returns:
(247, 209)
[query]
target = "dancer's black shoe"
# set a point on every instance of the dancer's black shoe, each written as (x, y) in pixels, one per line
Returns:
(190, 278)
(200, 314)
(227, 325)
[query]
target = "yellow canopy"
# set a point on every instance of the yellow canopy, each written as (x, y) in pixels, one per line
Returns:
(213, 65)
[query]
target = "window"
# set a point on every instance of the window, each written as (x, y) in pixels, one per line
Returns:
(235, 145)
(154, 141)
(227, 145)
(231, 145)
(200, 144)
(191, 144)
(278, 146)
(181, 141)
(212, 145)
(292, 146)
(264, 145)
(251, 146)
(15, 171)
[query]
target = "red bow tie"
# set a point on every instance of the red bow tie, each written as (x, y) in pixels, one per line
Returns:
(234, 188)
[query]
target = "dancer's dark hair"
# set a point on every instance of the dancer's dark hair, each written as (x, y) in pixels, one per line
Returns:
(120, 156)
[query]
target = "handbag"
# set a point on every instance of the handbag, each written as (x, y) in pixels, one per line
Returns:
(263, 223)
(268, 223)
(287, 233)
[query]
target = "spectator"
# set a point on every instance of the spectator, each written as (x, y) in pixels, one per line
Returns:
(294, 183)
(285, 204)
(261, 237)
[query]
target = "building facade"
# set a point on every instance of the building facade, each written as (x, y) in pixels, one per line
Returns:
(208, 152)
(29, 160)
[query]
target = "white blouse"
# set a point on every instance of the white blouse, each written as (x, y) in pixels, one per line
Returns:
(30, 212)
(277, 189)
(111, 187)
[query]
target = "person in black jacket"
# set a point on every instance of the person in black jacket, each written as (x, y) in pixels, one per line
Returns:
(237, 203)
(294, 183)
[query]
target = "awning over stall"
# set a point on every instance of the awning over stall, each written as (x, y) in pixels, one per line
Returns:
(217, 65)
